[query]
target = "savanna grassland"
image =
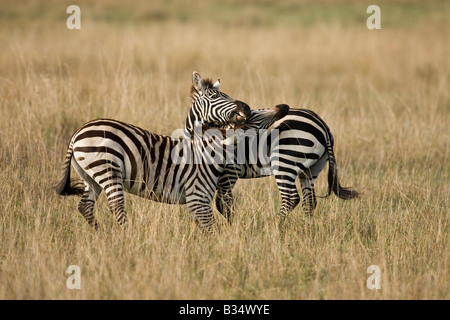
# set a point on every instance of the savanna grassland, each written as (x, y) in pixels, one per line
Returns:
(384, 94)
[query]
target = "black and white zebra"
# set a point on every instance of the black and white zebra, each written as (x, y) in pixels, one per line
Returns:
(305, 144)
(114, 157)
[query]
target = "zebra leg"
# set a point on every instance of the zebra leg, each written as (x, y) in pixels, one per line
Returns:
(289, 194)
(307, 183)
(117, 204)
(224, 197)
(309, 195)
(112, 183)
(91, 192)
(198, 202)
(86, 205)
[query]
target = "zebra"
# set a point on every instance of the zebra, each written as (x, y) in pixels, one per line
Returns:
(305, 144)
(113, 156)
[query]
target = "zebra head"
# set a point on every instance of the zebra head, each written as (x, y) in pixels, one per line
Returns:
(260, 119)
(265, 118)
(213, 107)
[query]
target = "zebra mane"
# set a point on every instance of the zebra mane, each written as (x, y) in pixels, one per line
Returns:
(209, 84)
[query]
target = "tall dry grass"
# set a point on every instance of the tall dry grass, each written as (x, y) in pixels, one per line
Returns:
(384, 94)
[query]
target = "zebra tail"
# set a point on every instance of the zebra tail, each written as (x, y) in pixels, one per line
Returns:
(65, 186)
(333, 181)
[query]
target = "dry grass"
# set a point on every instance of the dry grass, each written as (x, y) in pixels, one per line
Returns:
(385, 95)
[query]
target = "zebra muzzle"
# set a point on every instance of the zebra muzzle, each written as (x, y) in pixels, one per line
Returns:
(241, 113)
(241, 117)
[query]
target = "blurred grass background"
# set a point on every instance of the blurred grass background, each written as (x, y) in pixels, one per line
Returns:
(384, 94)
(397, 13)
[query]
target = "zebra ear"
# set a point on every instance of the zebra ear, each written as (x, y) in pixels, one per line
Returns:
(281, 111)
(197, 82)
(217, 85)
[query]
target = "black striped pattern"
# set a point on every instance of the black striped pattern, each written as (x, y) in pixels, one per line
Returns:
(115, 157)
(305, 144)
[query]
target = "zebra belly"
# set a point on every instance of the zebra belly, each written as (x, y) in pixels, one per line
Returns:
(254, 171)
(294, 158)
(173, 198)
(165, 187)
(154, 187)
